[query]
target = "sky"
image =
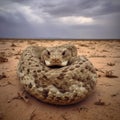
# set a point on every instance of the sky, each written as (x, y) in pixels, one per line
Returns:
(75, 19)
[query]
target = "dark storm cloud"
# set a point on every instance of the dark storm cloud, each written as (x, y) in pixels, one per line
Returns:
(70, 7)
(42, 18)
(81, 7)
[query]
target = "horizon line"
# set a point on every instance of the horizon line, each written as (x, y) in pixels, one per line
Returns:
(60, 38)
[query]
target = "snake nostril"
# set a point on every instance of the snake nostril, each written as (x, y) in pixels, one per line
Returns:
(55, 60)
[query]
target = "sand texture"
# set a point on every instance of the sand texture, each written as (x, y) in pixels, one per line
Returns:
(103, 104)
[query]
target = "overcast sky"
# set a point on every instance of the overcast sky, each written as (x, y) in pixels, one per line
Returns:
(60, 18)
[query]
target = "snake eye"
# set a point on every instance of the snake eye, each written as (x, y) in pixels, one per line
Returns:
(48, 52)
(63, 53)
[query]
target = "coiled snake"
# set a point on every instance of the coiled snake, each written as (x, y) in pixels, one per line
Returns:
(56, 75)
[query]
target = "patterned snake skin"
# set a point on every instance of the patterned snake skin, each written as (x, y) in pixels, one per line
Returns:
(56, 75)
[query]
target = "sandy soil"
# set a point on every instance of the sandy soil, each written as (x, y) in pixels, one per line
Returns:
(103, 104)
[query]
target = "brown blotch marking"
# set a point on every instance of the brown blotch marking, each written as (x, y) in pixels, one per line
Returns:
(29, 63)
(66, 98)
(44, 85)
(45, 93)
(36, 94)
(22, 62)
(93, 70)
(82, 70)
(61, 76)
(74, 77)
(46, 70)
(35, 75)
(37, 82)
(58, 98)
(75, 95)
(45, 77)
(28, 70)
(37, 85)
(83, 60)
(62, 90)
(37, 65)
(71, 68)
(30, 85)
(38, 71)
(88, 77)
(80, 63)
(65, 70)
(79, 79)
(77, 66)
(30, 57)
(83, 80)
(20, 70)
(86, 67)
(23, 68)
(87, 87)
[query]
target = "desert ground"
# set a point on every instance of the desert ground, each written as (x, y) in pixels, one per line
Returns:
(102, 104)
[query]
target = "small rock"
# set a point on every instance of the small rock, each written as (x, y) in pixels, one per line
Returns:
(2, 75)
(111, 64)
(100, 102)
(3, 57)
(99, 75)
(114, 95)
(13, 45)
(110, 74)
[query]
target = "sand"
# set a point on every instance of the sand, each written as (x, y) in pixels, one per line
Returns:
(103, 104)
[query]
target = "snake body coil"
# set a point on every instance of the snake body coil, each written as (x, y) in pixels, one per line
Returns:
(56, 75)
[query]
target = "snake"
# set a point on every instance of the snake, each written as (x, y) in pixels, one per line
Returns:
(56, 75)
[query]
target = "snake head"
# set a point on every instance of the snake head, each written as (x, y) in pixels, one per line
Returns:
(56, 56)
